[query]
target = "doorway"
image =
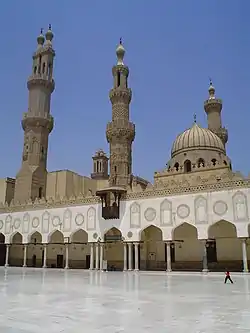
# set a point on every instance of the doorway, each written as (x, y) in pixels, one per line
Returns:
(172, 252)
(211, 251)
(87, 261)
(34, 260)
(59, 261)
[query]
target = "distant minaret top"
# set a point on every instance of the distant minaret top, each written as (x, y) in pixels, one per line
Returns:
(40, 40)
(120, 52)
(49, 36)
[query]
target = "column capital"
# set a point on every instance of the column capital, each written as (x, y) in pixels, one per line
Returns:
(169, 241)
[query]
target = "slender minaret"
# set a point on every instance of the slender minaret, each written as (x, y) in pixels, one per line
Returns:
(120, 131)
(37, 123)
(213, 107)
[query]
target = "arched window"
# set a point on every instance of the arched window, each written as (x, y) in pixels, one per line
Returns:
(187, 166)
(201, 162)
(176, 166)
(225, 162)
(118, 79)
(44, 67)
(213, 161)
(40, 192)
(35, 69)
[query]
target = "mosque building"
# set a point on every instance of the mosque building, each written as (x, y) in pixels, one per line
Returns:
(194, 216)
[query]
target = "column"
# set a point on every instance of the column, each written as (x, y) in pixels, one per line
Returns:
(101, 256)
(45, 246)
(204, 258)
(125, 264)
(25, 255)
(169, 262)
(66, 256)
(136, 257)
(244, 255)
(130, 256)
(7, 255)
(91, 256)
(96, 256)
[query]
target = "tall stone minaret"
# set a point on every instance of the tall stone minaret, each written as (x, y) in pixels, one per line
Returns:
(213, 107)
(120, 131)
(37, 123)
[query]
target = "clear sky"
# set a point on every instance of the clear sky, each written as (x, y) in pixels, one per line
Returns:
(173, 47)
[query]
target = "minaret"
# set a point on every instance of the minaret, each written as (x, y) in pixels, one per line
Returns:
(37, 123)
(120, 131)
(213, 107)
(100, 165)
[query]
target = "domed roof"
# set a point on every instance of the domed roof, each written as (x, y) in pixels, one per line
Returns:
(197, 137)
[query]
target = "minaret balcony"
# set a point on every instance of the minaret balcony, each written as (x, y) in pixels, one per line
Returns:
(120, 129)
(41, 80)
(111, 198)
(30, 121)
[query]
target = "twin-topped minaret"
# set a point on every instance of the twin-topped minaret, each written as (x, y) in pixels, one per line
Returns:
(213, 108)
(37, 123)
(120, 131)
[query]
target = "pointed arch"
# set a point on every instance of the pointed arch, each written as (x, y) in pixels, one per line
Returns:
(166, 212)
(151, 232)
(56, 236)
(16, 238)
(222, 229)
(187, 166)
(184, 230)
(240, 207)
(113, 234)
(135, 215)
(79, 236)
(35, 237)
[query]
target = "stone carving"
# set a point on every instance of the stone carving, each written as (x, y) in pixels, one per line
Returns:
(45, 222)
(91, 219)
(200, 209)
(220, 208)
(240, 207)
(35, 222)
(135, 215)
(67, 218)
(26, 223)
(17, 223)
(56, 221)
(8, 224)
(129, 234)
(183, 211)
(79, 219)
(150, 214)
(95, 235)
(166, 213)
(1, 224)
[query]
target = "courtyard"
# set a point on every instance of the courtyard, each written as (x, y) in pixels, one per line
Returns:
(52, 300)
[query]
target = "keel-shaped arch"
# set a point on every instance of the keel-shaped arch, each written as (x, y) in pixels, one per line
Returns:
(79, 236)
(16, 238)
(56, 236)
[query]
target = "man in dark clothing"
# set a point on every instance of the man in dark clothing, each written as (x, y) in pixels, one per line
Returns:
(228, 277)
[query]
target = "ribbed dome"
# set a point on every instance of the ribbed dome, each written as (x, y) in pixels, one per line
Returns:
(197, 137)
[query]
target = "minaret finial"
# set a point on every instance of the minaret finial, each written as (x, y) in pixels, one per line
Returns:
(49, 36)
(195, 118)
(211, 89)
(120, 52)
(40, 39)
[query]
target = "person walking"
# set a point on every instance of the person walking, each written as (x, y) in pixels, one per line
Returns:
(228, 277)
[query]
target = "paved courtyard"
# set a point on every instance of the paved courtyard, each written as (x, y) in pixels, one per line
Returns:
(38, 301)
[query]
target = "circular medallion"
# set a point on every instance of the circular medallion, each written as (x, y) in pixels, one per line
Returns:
(35, 222)
(17, 223)
(56, 221)
(129, 234)
(79, 219)
(220, 208)
(150, 214)
(183, 211)
(95, 235)
(1, 224)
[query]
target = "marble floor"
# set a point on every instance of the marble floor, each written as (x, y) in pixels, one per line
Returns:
(74, 301)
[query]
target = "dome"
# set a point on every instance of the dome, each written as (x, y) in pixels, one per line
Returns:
(197, 137)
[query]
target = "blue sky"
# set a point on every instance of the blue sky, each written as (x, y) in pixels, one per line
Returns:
(173, 47)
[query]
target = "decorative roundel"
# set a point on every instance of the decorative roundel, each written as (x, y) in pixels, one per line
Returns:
(95, 235)
(17, 223)
(129, 234)
(150, 214)
(183, 211)
(1, 224)
(35, 222)
(79, 219)
(56, 221)
(220, 208)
